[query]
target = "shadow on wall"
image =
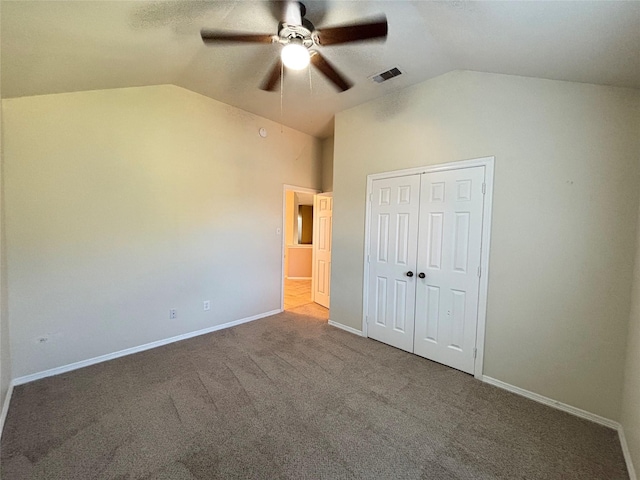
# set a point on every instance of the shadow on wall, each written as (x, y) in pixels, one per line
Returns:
(390, 106)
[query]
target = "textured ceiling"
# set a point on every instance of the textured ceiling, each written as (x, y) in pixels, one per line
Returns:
(66, 46)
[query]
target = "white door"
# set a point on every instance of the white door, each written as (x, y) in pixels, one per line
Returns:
(392, 260)
(321, 271)
(449, 247)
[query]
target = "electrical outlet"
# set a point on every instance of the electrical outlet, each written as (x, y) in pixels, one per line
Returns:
(207, 305)
(173, 314)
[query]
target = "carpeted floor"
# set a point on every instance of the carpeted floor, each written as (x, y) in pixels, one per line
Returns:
(291, 397)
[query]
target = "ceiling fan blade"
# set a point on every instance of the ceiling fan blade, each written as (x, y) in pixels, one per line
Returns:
(356, 32)
(330, 72)
(271, 81)
(212, 36)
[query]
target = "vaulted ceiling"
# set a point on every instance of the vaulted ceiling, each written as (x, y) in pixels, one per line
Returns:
(66, 46)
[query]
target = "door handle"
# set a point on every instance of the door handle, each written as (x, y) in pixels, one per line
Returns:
(409, 274)
(421, 275)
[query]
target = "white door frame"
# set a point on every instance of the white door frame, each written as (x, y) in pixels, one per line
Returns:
(286, 188)
(488, 163)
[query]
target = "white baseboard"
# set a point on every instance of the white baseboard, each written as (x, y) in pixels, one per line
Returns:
(552, 403)
(5, 407)
(140, 348)
(346, 328)
(627, 454)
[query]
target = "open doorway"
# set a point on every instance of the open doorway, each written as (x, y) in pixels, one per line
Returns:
(297, 247)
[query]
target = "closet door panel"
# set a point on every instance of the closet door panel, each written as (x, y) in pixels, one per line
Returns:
(449, 247)
(392, 259)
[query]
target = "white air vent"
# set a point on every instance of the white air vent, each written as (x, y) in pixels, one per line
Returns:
(388, 75)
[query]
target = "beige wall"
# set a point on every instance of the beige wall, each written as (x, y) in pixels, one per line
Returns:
(564, 216)
(122, 204)
(630, 418)
(327, 164)
(5, 355)
(300, 261)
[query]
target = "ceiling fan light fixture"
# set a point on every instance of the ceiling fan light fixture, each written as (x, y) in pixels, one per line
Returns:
(297, 37)
(295, 55)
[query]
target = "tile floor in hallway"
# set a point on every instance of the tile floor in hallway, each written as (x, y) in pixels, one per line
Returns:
(296, 293)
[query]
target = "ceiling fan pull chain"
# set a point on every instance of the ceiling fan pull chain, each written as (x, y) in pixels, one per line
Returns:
(281, 95)
(310, 84)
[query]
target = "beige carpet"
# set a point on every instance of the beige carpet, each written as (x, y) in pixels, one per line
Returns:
(291, 397)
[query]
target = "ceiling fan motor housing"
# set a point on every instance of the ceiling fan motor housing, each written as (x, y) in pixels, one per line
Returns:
(287, 31)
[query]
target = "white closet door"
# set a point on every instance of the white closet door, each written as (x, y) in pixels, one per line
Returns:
(449, 247)
(392, 260)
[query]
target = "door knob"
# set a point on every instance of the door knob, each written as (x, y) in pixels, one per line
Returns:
(409, 274)
(421, 275)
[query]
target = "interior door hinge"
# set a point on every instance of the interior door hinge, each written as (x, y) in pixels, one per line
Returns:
(475, 353)
(368, 258)
(479, 271)
(484, 188)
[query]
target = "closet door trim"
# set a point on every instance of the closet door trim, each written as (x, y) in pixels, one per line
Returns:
(488, 163)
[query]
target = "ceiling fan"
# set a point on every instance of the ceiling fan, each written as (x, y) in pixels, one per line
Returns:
(300, 39)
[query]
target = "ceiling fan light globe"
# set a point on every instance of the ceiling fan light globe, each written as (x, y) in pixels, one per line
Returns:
(295, 56)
